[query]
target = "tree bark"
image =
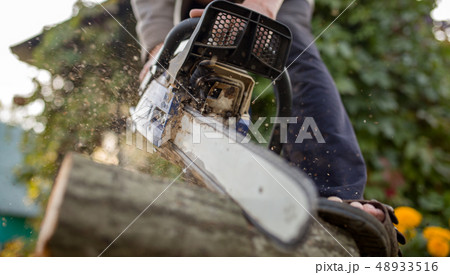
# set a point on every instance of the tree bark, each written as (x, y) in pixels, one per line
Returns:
(92, 206)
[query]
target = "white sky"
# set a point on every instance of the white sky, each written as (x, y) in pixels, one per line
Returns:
(22, 19)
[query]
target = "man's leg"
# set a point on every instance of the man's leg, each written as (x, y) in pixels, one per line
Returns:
(336, 166)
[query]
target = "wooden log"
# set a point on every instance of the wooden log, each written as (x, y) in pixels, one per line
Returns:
(92, 204)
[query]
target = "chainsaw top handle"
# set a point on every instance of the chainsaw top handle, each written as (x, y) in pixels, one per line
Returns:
(239, 37)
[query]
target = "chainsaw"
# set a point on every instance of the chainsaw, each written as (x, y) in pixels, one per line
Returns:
(194, 109)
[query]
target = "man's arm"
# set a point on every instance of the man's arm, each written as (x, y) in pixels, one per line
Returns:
(154, 21)
(268, 8)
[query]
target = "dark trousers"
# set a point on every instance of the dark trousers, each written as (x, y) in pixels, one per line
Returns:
(336, 166)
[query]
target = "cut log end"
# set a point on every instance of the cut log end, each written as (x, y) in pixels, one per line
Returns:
(50, 221)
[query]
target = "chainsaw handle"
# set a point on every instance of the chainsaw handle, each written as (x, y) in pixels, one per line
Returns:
(283, 94)
(180, 32)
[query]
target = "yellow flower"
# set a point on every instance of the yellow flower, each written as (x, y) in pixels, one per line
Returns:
(438, 247)
(436, 232)
(402, 229)
(12, 248)
(408, 218)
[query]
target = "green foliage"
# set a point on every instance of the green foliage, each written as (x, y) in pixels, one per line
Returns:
(264, 106)
(393, 77)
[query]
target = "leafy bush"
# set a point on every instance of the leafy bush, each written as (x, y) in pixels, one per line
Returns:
(393, 77)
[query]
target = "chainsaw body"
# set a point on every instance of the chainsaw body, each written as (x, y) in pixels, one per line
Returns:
(206, 66)
(222, 92)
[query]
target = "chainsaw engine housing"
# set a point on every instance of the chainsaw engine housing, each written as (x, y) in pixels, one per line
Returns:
(209, 72)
